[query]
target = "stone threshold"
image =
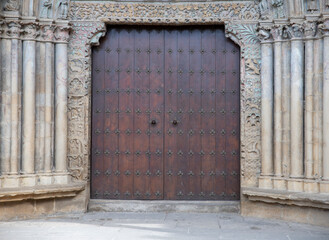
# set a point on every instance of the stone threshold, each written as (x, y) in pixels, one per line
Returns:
(163, 206)
(41, 192)
(316, 200)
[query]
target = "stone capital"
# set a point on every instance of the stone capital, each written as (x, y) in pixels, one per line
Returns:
(295, 30)
(62, 34)
(324, 28)
(310, 29)
(47, 32)
(277, 32)
(264, 34)
(12, 29)
(30, 30)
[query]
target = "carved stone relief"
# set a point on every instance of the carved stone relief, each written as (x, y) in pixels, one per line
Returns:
(88, 26)
(62, 9)
(11, 5)
(46, 9)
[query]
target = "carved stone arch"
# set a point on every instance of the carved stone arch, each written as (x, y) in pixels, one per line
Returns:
(89, 21)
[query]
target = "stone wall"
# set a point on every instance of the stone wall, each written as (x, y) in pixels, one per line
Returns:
(282, 163)
(33, 118)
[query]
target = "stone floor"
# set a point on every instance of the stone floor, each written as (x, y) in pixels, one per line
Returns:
(107, 225)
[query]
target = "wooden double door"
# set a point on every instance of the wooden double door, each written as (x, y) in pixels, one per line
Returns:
(165, 114)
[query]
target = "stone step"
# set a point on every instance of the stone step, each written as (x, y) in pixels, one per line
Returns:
(96, 205)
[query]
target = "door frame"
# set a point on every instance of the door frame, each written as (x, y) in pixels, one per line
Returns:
(164, 28)
(240, 26)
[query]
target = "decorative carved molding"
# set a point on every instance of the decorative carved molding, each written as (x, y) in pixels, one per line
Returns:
(177, 13)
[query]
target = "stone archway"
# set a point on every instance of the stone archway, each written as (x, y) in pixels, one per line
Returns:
(89, 19)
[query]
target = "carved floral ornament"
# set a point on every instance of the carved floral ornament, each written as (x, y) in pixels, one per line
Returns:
(179, 13)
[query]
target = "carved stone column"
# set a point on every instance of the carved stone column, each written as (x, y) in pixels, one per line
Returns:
(310, 28)
(277, 154)
(297, 88)
(5, 129)
(267, 103)
(317, 106)
(29, 64)
(48, 36)
(325, 30)
(61, 71)
(14, 33)
(286, 91)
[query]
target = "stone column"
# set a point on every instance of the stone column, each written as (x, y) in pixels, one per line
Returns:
(298, 6)
(309, 70)
(48, 35)
(61, 71)
(30, 34)
(277, 154)
(5, 116)
(286, 90)
(297, 88)
(267, 101)
(325, 168)
(317, 106)
(14, 32)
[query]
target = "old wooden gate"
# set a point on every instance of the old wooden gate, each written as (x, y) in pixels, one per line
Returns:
(165, 114)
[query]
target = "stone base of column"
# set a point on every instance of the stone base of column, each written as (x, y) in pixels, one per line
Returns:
(279, 183)
(9, 181)
(28, 180)
(265, 182)
(31, 180)
(45, 179)
(61, 178)
(311, 186)
(295, 185)
(324, 186)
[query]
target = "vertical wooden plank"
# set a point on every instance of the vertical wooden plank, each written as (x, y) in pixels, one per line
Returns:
(97, 187)
(220, 168)
(111, 120)
(182, 132)
(170, 109)
(232, 121)
(194, 115)
(156, 105)
(125, 53)
(141, 115)
(207, 113)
